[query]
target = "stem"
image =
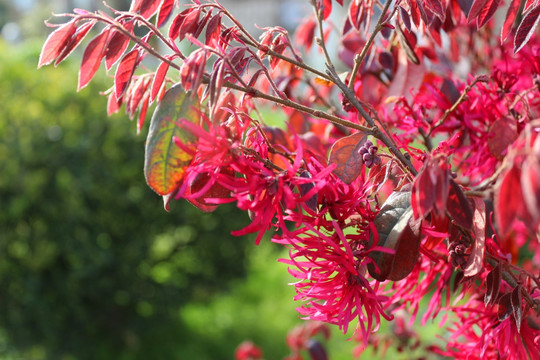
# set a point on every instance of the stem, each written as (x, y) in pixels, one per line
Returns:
(294, 105)
(461, 99)
(118, 26)
(358, 59)
(375, 130)
(511, 280)
(320, 41)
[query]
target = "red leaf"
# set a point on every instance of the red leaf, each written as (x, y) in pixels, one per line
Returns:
(124, 72)
(174, 28)
(530, 186)
(407, 78)
(92, 56)
(510, 18)
(142, 113)
(55, 44)
(422, 196)
(159, 77)
(476, 259)
(327, 8)
(148, 8)
(493, 285)
(526, 28)
(502, 134)
(216, 191)
(190, 23)
(508, 198)
(398, 232)
(137, 93)
(213, 29)
(192, 70)
(113, 104)
(165, 12)
(305, 33)
(459, 207)
(75, 41)
(487, 12)
(345, 153)
(117, 45)
(430, 188)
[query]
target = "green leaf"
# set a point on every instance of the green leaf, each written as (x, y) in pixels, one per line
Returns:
(165, 163)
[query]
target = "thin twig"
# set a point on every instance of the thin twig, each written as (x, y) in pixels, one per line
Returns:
(461, 99)
(358, 59)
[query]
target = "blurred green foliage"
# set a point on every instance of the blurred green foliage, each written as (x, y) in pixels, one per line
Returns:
(91, 266)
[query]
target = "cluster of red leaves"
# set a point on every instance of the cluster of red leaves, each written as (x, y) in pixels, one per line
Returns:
(450, 230)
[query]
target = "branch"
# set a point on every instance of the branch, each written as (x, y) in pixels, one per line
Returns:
(462, 98)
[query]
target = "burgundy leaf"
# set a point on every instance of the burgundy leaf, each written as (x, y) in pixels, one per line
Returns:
(404, 15)
(502, 134)
(493, 285)
(459, 206)
(450, 91)
(316, 350)
(125, 71)
(345, 153)
(165, 12)
(75, 41)
(510, 18)
(408, 41)
(476, 8)
(159, 78)
(476, 259)
(465, 6)
(526, 28)
(487, 12)
(117, 46)
(398, 232)
(57, 41)
(92, 56)
(505, 307)
(202, 24)
(436, 7)
(515, 300)
(311, 203)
